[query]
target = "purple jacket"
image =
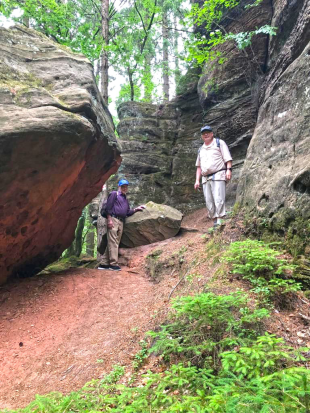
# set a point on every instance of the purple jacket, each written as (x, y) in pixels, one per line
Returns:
(118, 205)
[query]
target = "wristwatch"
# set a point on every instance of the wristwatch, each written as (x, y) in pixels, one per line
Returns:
(229, 169)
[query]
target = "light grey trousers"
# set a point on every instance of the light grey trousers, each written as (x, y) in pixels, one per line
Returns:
(214, 193)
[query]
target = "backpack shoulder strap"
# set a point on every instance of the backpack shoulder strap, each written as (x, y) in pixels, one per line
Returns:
(218, 143)
(199, 149)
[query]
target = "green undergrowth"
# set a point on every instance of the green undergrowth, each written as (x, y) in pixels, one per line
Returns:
(267, 269)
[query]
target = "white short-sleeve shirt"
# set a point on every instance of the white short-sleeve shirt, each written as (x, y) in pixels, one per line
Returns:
(211, 159)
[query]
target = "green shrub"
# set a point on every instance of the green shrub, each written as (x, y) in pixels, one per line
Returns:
(265, 355)
(204, 325)
(141, 355)
(285, 391)
(257, 262)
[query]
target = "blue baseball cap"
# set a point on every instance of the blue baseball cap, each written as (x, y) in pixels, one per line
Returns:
(123, 182)
(206, 128)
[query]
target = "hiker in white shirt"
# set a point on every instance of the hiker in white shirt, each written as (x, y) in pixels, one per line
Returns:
(214, 164)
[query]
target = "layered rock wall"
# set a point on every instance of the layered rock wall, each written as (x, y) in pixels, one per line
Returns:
(57, 148)
(159, 151)
(276, 175)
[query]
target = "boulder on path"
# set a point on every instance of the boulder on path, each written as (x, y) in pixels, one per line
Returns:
(155, 223)
(57, 148)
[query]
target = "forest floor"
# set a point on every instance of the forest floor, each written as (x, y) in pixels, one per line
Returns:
(59, 331)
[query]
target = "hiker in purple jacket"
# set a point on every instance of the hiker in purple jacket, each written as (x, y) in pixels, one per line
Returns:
(117, 209)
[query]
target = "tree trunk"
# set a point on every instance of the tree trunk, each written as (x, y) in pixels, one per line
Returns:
(104, 54)
(177, 71)
(79, 236)
(90, 243)
(26, 21)
(132, 89)
(101, 222)
(147, 78)
(165, 35)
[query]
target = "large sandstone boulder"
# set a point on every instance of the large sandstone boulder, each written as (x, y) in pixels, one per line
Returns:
(275, 181)
(57, 148)
(155, 223)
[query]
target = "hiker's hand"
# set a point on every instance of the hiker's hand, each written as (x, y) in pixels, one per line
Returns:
(197, 185)
(228, 174)
(140, 208)
(110, 224)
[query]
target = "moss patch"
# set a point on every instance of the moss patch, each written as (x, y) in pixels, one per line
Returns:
(291, 232)
(71, 262)
(156, 267)
(188, 80)
(13, 78)
(153, 265)
(287, 227)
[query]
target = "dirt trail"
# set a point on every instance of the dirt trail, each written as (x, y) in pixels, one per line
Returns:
(59, 331)
(54, 329)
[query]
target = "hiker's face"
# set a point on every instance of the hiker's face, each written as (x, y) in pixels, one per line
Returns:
(123, 189)
(207, 137)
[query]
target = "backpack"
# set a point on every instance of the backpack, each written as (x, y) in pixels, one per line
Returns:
(103, 211)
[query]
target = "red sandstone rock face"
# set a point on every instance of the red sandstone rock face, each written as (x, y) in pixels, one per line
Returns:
(57, 148)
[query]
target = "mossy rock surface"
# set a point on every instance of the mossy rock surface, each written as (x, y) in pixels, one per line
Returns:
(71, 262)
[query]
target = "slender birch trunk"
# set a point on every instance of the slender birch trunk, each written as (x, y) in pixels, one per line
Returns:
(132, 86)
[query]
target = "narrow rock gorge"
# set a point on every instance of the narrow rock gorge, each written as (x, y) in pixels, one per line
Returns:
(160, 142)
(257, 101)
(57, 147)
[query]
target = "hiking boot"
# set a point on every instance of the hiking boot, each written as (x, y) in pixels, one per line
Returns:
(115, 268)
(103, 267)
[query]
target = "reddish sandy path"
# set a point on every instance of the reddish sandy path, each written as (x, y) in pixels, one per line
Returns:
(53, 329)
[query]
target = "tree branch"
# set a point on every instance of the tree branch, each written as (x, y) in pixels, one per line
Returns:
(179, 30)
(148, 30)
(136, 7)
